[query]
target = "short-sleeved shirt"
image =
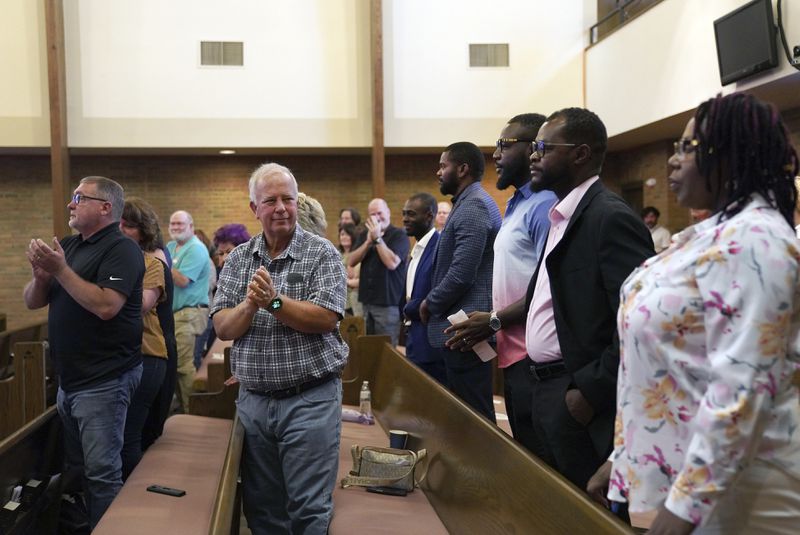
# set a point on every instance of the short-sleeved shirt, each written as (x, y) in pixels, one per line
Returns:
(517, 249)
(153, 343)
(271, 355)
(192, 261)
(87, 350)
(378, 285)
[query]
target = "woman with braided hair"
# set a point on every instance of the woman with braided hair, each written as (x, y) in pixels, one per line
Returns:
(707, 416)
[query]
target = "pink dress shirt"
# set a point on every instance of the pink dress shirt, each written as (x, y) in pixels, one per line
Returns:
(541, 338)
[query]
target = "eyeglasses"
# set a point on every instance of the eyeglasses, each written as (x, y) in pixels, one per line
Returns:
(80, 197)
(505, 142)
(538, 148)
(685, 146)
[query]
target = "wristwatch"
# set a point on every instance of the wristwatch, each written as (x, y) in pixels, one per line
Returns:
(276, 304)
(376, 241)
(494, 321)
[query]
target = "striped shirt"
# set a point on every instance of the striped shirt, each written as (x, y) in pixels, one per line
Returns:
(270, 355)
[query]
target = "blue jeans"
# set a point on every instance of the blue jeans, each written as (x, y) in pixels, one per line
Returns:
(381, 319)
(153, 372)
(94, 420)
(291, 455)
(200, 345)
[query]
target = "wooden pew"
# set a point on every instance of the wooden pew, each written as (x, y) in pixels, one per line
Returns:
(34, 332)
(479, 480)
(22, 393)
(220, 403)
(211, 368)
(197, 454)
(351, 328)
(35, 451)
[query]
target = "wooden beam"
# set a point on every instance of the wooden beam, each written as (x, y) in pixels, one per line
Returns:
(376, 53)
(59, 148)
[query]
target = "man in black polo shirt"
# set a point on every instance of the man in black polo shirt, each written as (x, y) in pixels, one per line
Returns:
(382, 255)
(93, 284)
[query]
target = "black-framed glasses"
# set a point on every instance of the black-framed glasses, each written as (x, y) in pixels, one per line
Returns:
(505, 142)
(685, 146)
(80, 197)
(539, 148)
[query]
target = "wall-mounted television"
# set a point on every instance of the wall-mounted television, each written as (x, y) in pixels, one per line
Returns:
(746, 42)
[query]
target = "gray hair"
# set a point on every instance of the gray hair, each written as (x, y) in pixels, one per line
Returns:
(111, 190)
(267, 171)
(311, 215)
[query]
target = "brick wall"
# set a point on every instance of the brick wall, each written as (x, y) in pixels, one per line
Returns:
(632, 168)
(212, 189)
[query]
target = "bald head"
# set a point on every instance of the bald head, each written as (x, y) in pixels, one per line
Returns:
(379, 212)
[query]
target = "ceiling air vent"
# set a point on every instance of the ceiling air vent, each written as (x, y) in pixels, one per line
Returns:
(228, 53)
(488, 55)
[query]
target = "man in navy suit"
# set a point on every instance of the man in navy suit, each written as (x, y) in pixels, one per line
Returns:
(462, 278)
(419, 214)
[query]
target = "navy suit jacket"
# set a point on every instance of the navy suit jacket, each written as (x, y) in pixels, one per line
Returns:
(417, 347)
(462, 277)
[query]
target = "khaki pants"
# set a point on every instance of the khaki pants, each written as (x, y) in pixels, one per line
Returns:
(190, 322)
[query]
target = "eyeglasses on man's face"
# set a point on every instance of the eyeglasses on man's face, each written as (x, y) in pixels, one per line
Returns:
(78, 198)
(506, 142)
(685, 146)
(539, 148)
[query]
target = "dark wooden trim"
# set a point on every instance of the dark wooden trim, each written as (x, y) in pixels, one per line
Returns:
(376, 53)
(56, 78)
(227, 507)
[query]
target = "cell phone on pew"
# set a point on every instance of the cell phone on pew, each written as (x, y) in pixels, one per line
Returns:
(166, 490)
(391, 491)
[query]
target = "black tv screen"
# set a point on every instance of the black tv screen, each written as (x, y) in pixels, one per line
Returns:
(746, 41)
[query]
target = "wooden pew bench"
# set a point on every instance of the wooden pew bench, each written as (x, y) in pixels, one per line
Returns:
(23, 392)
(197, 454)
(35, 451)
(357, 511)
(478, 479)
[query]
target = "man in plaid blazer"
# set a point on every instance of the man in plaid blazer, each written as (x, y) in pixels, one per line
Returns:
(462, 278)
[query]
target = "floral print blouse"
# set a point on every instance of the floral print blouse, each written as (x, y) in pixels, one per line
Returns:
(709, 344)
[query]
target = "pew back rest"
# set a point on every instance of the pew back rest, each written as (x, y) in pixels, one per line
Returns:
(351, 328)
(219, 403)
(34, 332)
(35, 448)
(23, 392)
(478, 479)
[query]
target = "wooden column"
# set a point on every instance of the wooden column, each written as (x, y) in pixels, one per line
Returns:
(56, 78)
(376, 53)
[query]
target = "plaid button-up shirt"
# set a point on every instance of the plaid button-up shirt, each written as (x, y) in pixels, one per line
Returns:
(270, 355)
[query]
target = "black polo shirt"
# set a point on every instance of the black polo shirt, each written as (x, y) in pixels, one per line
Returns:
(378, 285)
(86, 350)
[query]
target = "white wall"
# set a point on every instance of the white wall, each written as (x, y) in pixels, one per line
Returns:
(24, 114)
(433, 97)
(665, 62)
(134, 77)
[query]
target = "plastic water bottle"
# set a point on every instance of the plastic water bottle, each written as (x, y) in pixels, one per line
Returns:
(365, 400)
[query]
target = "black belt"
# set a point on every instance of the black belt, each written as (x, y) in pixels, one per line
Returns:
(542, 371)
(284, 393)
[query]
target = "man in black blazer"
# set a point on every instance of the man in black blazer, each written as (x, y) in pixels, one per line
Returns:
(594, 243)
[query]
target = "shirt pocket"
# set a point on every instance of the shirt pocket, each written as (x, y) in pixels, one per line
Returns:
(295, 286)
